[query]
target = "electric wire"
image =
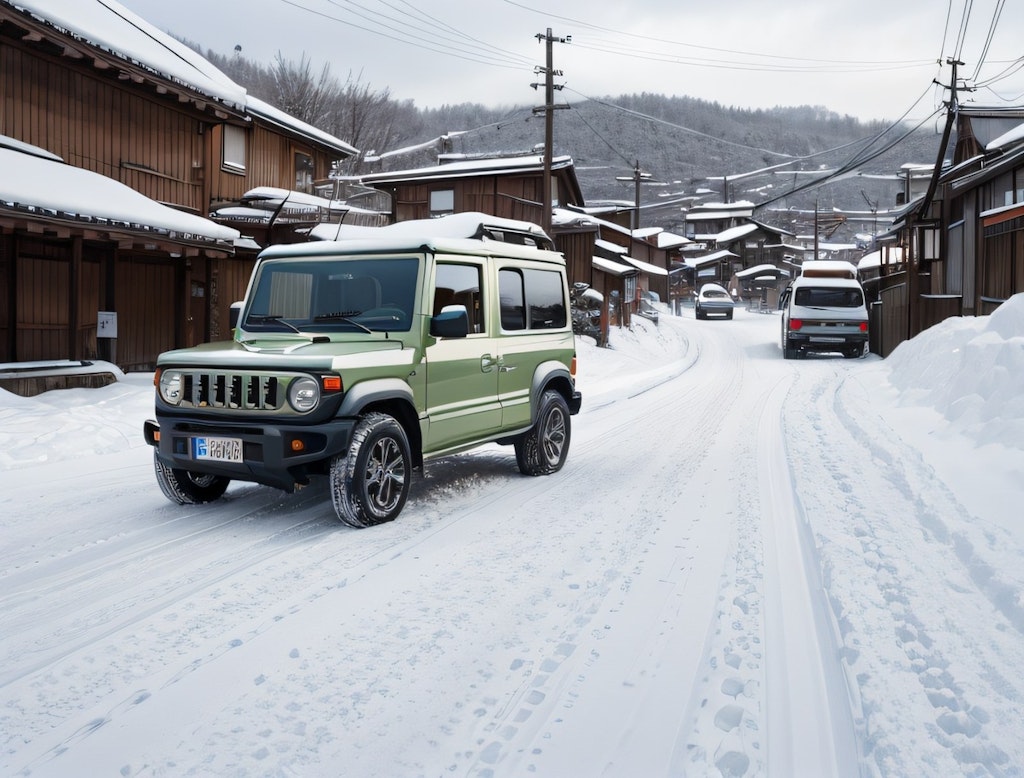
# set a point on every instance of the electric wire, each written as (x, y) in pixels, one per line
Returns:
(988, 38)
(830, 62)
(452, 51)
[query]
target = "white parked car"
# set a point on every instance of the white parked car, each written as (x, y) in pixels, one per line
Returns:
(824, 314)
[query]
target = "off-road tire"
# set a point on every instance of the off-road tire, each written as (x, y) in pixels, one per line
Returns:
(370, 482)
(542, 449)
(188, 488)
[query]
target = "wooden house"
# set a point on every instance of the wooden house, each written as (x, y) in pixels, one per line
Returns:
(961, 244)
(510, 187)
(97, 87)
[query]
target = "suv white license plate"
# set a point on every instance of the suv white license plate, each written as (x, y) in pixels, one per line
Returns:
(217, 449)
(828, 339)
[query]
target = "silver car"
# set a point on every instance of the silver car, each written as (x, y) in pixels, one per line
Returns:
(714, 301)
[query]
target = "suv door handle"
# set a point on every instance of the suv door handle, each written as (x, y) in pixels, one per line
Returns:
(487, 363)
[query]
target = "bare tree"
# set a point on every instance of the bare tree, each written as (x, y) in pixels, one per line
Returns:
(301, 94)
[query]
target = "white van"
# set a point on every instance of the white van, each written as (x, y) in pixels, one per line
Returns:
(823, 310)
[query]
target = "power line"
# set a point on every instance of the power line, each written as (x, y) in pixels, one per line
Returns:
(712, 49)
(416, 38)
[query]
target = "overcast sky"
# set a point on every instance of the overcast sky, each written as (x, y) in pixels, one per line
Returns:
(873, 59)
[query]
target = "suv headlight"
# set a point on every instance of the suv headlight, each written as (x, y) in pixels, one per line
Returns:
(170, 386)
(304, 394)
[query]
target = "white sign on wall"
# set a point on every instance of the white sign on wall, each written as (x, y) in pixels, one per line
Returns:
(106, 324)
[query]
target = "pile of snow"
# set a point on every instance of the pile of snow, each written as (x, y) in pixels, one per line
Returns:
(968, 369)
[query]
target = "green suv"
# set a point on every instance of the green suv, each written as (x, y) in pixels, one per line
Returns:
(360, 358)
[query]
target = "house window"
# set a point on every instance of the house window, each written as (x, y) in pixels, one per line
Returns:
(234, 148)
(442, 202)
(303, 172)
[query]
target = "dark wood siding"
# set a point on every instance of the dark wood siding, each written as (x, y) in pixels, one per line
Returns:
(95, 125)
(145, 317)
(7, 307)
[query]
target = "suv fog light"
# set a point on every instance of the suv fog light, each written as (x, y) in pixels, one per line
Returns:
(304, 394)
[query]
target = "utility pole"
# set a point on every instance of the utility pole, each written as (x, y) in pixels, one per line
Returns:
(637, 177)
(548, 108)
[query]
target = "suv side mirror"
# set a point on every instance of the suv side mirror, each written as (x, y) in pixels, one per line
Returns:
(233, 313)
(451, 322)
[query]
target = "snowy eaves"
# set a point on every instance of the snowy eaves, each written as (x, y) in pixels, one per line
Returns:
(468, 167)
(111, 27)
(646, 267)
(612, 267)
(707, 258)
(41, 186)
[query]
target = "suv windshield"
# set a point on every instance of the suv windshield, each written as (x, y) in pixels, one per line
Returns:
(829, 297)
(329, 295)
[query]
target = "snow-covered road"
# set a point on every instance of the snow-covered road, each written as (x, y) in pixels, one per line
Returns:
(744, 569)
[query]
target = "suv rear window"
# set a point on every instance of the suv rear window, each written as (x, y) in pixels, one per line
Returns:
(829, 297)
(531, 299)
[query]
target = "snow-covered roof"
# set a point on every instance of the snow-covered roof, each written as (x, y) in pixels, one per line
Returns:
(713, 211)
(44, 187)
(433, 143)
(874, 259)
(765, 269)
(735, 233)
(646, 232)
(467, 167)
(607, 245)
(276, 116)
(646, 267)
(669, 240)
(610, 266)
(715, 256)
(1006, 139)
(111, 27)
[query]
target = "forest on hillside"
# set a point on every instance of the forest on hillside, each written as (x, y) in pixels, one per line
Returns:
(683, 149)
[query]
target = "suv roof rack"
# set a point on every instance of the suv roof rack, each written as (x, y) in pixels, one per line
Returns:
(471, 224)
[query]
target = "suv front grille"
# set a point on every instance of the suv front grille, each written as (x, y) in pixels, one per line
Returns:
(233, 390)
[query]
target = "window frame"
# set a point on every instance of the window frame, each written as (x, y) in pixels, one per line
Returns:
(234, 147)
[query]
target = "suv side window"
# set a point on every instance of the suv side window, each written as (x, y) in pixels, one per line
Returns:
(458, 284)
(531, 299)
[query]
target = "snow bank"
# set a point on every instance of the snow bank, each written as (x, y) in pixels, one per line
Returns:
(968, 369)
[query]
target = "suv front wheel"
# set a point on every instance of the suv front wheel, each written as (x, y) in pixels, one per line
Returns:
(542, 449)
(187, 488)
(370, 482)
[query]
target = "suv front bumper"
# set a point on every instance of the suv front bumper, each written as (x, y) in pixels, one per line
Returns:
(277, 455)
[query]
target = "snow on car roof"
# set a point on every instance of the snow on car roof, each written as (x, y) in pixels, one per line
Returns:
(457, 225)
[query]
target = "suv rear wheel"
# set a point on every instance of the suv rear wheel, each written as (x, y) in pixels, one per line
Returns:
(370, 482)
(543, 448)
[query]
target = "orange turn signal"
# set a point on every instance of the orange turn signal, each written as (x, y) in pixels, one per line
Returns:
(298, 445)
(332, 383)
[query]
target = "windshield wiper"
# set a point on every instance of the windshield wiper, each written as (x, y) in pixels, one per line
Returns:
(264, 318)
(344, 316)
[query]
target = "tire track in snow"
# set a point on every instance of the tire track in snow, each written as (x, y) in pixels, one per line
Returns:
(554, 694)
(810, 729)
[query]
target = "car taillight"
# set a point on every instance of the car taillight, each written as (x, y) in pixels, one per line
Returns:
(795, 324)
(863, 326)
